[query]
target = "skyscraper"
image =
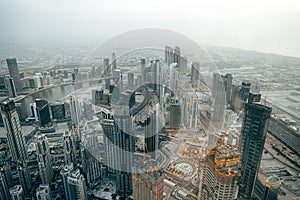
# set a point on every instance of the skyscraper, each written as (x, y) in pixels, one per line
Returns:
(107, 69)
(14, 72)
(244, 92)
(177, 56)
(151, 132)
(227, 84)
(24, 177)
(10, 86)
(219, 102)
(195, 74)
(253, 136)
(174, 114)
(5, 181)
(15, 138)
(130, 78)
(69, 146)
(267, 188)
(119, 143)
(91, 167)
(43, 158)
(220, 173)
(17, 193)
(113, 62)
(148, 180)
(58, 111)
(65, 171)
(75, 111)
(75, 186)
(174, 78)
(167, 54)
(143, 65)
(43, 192)
(43, 112)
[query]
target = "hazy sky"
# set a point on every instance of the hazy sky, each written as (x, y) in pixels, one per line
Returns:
(262, 25)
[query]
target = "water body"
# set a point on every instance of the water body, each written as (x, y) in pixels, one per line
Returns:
(51, 94)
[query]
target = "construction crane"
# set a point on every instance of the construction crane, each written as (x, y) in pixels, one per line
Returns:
(264, 101)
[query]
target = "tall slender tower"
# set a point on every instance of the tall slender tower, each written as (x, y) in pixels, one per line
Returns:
(151, 133)
(75, 111)
(177, 56)
(15, 138)
(69, 148)
(107, 69)
(74, 183)
(113, 62)
(43, 112)
(120, 143)
(195, 74)
(174, 78)
(219, 103)
(44, 159)
(17, 193)
(253, 137)
(24, 177)
(10, 86)
(43, 192)
(14, 72)
(5, 181)
(228, 83)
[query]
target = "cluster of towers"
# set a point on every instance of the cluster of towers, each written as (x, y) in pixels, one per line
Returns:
(21, 188)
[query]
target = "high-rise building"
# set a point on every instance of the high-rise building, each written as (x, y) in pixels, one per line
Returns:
(148, 180)
(267, 188)
(17, 193)
(113, 62)
(43, 192)
(167, 54)
(69, 145)
(75, 111)
(2, 82)
(151, 132)
(130, 78)
(174, 78)
(143, 65)
(244, 92)
(157, 75)
(58, 111)
(74, 182)
(177, 56)
(24, 177)
(15, 138)
(183, 65)
(195, 74)
(236, 99)
(253, 137)
(5, 181)
(220, 173)
(10, 86)
(65, 171)
(33, 111)
(91, 165)
(107, 69)
(174, 114)
(43, 112)
(14, 72)
(227, 84)
(43, 158)
(120, 144)
(193, 111)
(219, 103)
